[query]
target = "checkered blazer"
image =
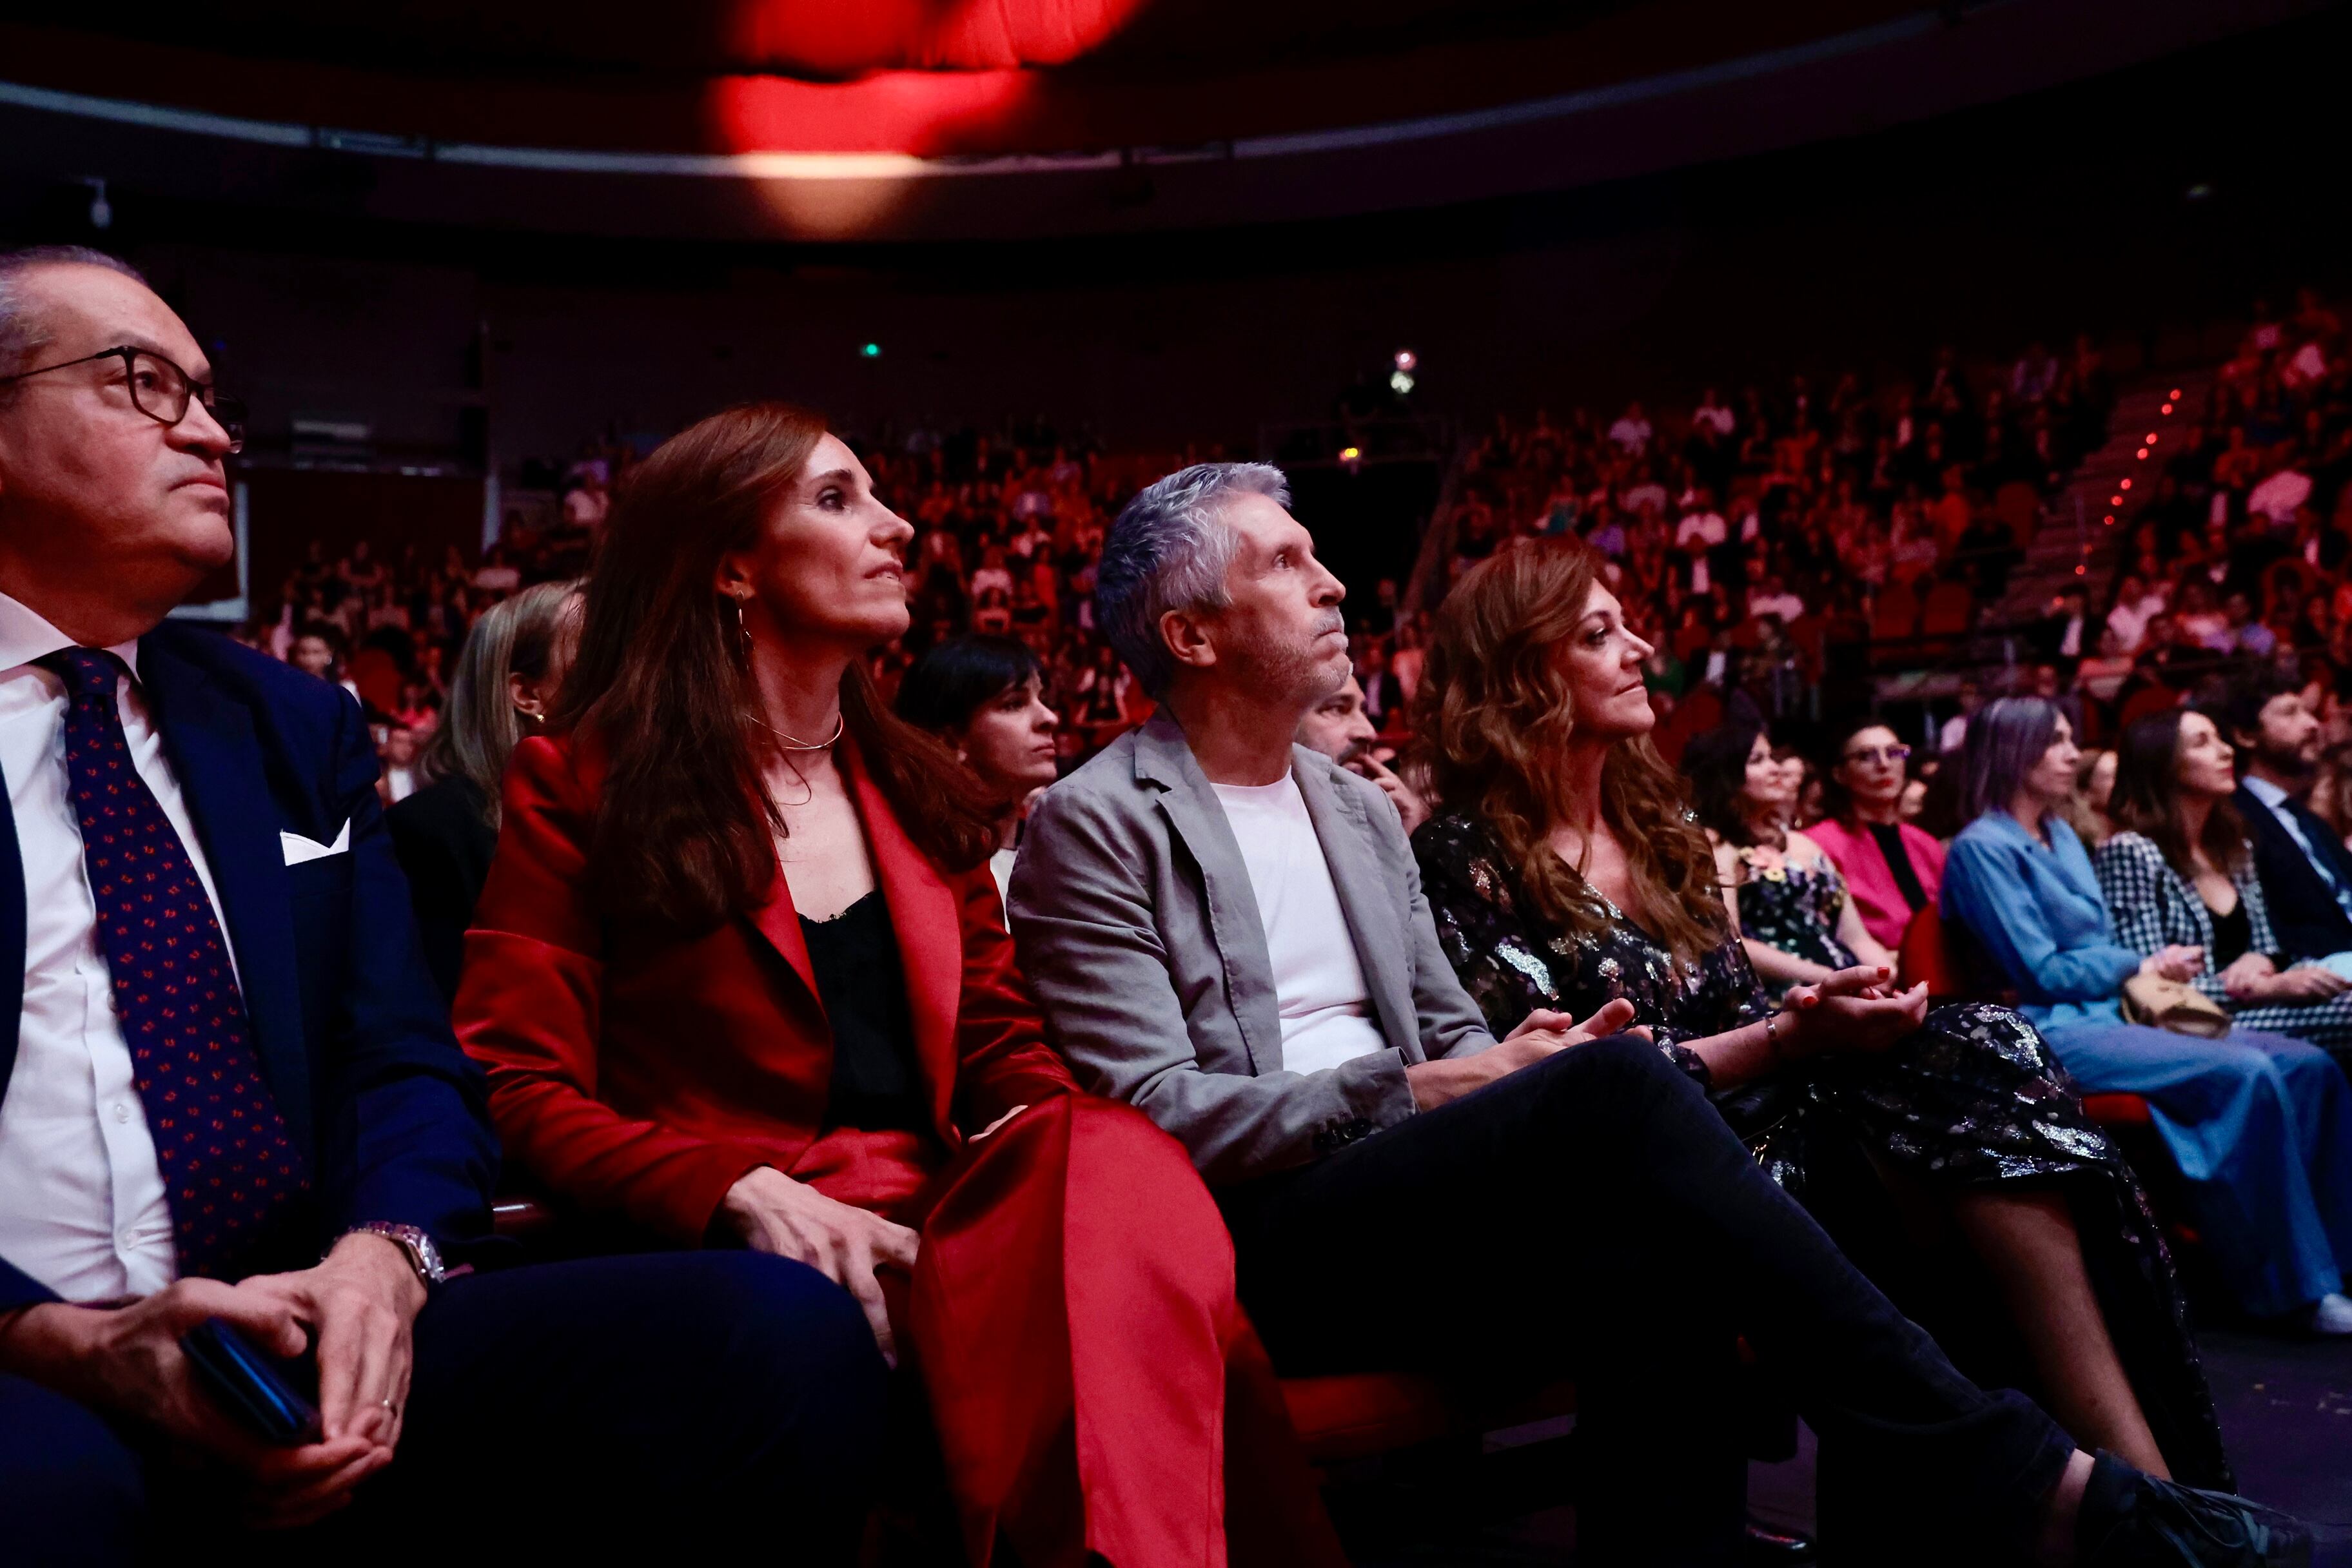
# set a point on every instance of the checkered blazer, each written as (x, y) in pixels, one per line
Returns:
(2156, 906)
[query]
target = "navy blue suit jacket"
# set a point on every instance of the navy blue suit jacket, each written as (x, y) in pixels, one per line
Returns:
(2310, 923)
(353, 1034)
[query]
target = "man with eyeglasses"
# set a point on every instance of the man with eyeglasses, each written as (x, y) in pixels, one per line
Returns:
(229, 1089)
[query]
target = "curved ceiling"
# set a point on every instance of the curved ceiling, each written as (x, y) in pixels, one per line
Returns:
(853, 118)
(930, 77)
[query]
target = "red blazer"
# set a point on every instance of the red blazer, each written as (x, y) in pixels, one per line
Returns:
(641, 1071)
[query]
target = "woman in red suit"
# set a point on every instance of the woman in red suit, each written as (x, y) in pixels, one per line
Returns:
(740, 976)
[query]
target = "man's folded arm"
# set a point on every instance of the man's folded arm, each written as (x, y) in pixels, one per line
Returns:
(1091, 945)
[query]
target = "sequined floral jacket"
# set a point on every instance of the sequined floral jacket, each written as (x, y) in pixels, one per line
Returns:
(1512, 960)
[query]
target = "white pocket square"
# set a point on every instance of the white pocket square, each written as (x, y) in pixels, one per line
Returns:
(298, 848)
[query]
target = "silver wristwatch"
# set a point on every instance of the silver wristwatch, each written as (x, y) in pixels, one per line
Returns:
(422, 1256)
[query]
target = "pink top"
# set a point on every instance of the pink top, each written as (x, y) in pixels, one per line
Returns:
(1852, 849)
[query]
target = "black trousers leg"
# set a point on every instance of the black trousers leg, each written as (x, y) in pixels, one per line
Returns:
(678, 1397)
(1593, 1214)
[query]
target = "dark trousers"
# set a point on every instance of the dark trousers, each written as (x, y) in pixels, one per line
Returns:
(1593, 1217)
(592, 1406)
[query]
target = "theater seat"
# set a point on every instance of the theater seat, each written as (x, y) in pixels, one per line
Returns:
(1948, 959)
(2113, 1110)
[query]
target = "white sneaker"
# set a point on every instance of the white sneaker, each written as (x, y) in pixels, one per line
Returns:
(2330, 1315)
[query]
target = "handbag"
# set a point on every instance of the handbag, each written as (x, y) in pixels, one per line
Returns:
(2173, 1005)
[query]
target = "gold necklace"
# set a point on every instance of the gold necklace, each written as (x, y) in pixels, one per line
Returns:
(794, 743)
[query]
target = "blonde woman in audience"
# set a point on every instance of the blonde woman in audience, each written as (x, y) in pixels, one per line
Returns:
(445, 832)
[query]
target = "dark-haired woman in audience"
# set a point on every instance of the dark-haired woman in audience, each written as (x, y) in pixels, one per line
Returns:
(2261, 1124)
(1563, 873)
(1784, 897)
(985, 697)
(740, 977)
(445, 834)
(1892, 868)
(2181, 873)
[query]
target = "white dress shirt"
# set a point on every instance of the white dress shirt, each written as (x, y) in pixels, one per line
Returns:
(82, 1208)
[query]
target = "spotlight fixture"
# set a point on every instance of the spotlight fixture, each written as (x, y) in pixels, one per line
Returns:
(869, 350)
(1407, 360)
(1401, 381)
(101, 210)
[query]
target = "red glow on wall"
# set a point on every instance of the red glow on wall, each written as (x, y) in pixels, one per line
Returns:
(926, 113)
(916, 77)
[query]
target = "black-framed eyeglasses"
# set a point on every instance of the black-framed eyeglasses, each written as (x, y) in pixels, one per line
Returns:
(159, 389)
(1873, 754)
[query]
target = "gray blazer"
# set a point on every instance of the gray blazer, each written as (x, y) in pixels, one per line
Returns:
(1137, 928)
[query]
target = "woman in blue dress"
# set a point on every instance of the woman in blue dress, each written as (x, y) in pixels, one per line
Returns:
(2261, 1124)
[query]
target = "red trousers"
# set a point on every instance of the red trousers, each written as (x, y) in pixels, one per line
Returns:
(1096, 1387)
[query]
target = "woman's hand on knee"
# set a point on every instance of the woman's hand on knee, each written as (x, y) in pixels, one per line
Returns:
(772, 1213)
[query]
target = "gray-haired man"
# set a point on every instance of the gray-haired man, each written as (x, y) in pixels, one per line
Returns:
(1228, 931)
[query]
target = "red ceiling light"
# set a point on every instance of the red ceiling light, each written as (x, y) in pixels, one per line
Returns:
(2143, 454)
(2124, 486)
(2166, 409)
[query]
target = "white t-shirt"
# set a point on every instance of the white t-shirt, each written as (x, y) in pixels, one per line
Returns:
(1318, 985)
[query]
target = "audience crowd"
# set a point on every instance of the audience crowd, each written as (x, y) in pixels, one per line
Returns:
(880, 902)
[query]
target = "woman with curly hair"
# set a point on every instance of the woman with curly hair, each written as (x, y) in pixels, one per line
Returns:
(1564, 871)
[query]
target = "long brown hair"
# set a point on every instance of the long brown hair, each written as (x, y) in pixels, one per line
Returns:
(1495, 709)
(2146, 799)
(684, 829)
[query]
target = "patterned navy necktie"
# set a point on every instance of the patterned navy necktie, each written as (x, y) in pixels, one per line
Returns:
(227, 1166)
